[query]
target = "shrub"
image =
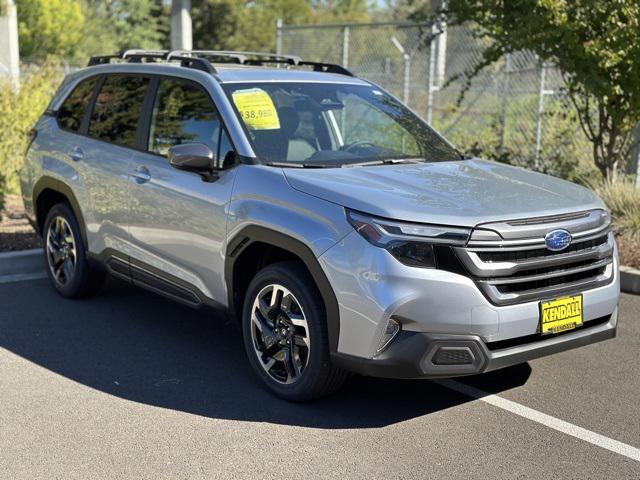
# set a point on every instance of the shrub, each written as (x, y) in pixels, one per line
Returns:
(19, 111)
(623, 199)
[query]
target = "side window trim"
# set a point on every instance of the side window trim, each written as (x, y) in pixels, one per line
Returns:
(155, 87)
(87, 109)
(88, 112)
(144, 125)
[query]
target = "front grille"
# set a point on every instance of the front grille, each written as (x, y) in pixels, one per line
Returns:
(518, 255)
(519, 268)
(550, 282)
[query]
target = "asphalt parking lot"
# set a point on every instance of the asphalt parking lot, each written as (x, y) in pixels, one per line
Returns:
(130, 385)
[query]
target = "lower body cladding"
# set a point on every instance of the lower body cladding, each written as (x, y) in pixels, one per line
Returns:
(424, 355)
(448, 327)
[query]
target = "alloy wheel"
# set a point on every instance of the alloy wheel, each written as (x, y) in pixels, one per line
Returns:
(61, 250)
(280, 334)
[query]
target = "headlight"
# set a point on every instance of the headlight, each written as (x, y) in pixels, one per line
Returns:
(411, 243)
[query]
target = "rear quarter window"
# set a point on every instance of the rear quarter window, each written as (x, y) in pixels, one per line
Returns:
(73, 109)
(117, 109)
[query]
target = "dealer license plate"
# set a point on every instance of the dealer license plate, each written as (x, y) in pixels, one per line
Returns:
(560, 315)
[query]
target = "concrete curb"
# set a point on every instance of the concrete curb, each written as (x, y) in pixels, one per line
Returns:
(22, 263)
(629, 280)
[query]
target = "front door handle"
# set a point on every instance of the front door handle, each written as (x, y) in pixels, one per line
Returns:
(141, 175)
(76, 154)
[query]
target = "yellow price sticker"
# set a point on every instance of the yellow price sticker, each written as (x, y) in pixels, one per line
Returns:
(257, 109)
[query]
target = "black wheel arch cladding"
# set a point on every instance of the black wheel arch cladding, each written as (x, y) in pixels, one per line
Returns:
(252, 234)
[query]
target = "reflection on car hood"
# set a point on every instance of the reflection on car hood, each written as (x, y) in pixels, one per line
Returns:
(465, 192)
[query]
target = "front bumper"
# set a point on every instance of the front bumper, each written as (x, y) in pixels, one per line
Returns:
(420, 355)
(371, 287)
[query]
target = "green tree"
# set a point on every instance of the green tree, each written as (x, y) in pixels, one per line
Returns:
(19, 111)
(251, 24)
(49, 27)
(114, 25)
(596, 44)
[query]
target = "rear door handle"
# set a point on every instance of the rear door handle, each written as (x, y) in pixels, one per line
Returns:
(76, 154)
(141, 175)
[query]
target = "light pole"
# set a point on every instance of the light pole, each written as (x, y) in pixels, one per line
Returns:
(181, 34)
(9, 54)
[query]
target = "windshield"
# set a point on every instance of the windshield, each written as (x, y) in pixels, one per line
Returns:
(327, 125)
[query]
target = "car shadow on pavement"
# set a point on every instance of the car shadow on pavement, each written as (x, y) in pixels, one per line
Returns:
(141, 347)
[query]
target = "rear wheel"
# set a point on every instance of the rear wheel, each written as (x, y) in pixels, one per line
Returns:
(285, 335)
(68, 267)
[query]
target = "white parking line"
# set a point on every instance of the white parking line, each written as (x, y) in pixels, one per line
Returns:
(22, 277)
(544, 419)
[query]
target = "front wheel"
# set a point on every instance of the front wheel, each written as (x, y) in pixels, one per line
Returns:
(285, 334)
(67, 265)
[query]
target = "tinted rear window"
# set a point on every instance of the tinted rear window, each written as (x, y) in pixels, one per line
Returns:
(71, 113)
(117, 109)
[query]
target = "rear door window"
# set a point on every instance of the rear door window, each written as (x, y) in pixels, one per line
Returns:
(71, 113)
(117, 110)
(183, 113)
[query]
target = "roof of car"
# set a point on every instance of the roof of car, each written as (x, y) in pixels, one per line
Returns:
(232, 74)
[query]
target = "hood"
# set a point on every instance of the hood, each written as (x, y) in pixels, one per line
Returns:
(464, 193)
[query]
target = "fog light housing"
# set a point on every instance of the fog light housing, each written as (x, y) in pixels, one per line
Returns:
(391, 331)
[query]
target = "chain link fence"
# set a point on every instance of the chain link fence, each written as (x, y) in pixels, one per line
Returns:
(514, 110)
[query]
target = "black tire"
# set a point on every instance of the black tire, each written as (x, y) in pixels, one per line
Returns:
(319, 377)
(83, 279)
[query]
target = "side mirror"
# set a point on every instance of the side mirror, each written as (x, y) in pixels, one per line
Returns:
(194, 157)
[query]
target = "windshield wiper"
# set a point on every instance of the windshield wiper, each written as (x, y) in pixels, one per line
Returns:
(386, 161)
(297, 165)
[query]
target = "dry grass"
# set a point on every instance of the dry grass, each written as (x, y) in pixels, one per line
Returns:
(629, 248)
(623, 199)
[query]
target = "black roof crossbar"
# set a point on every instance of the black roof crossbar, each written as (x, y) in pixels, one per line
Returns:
(196, 63)
(203, 59)
(102, 60)
(328, 68)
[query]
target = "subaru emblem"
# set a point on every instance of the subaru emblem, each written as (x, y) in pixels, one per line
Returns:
(557, 240)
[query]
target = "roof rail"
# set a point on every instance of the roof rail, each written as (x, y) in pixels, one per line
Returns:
(202, 59)
(138, 56)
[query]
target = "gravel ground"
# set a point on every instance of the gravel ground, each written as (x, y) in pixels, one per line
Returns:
(15, 231)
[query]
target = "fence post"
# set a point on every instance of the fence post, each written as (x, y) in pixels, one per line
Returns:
(539, 113)
(503, 107)
(279, 36)
(406, 59)
(432, 72)
(345, 46)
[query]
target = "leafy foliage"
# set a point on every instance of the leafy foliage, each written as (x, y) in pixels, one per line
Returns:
(114, 25)
(49, 27)
(251, 24)
(595, 44)
(19, 111)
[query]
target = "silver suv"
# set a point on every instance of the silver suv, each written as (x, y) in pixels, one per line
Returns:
(343, 232)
